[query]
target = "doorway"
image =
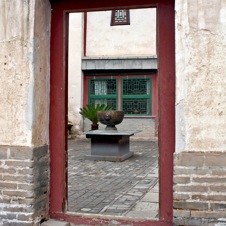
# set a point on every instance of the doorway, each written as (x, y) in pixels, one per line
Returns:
(58, 109)
(114, 65)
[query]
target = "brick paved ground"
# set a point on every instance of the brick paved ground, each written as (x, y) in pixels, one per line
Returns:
(128, 188)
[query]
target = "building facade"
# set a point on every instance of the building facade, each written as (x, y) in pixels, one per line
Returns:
(199, 170)
(114, 63)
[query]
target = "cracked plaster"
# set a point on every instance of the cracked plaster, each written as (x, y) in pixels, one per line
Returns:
(24, 46)
(200, 76)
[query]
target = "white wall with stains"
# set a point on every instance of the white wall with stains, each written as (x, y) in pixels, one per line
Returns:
(200, 75)
(136, 39)
(24, 68)
(104, 40)
(75, 76)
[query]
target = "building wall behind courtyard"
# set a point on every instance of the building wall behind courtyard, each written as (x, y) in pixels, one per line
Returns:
(136, 39)
(106, 41)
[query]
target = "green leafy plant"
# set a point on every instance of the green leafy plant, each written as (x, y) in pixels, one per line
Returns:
(90, 112)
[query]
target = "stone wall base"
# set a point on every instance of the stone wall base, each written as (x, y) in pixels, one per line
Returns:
(24, 182)
(199, 196)
(190, 221)
(204, 218)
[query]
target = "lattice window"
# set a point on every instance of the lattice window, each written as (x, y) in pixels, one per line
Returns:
(103, 91)
(135, 106)
(110, 102)
(120, 17)
(136, 96)
(136, 87)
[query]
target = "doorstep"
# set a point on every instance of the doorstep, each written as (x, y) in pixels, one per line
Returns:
(55, 223)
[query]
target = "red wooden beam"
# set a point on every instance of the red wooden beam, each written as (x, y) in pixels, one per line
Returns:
(57, 114)
(85, 34)
(166, 81)
(93, 220)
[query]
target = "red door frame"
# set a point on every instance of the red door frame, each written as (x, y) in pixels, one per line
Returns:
(58, 107)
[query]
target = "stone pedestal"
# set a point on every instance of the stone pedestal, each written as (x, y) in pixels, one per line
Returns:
(110, 145)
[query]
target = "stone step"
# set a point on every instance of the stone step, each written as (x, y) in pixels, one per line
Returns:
(52, 222)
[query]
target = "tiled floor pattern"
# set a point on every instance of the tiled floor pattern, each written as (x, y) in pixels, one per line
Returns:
(128, 188)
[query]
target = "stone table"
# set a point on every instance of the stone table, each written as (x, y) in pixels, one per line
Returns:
(110, 145)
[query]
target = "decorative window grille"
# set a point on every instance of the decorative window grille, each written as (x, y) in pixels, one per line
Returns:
(135, 96)
(120, 17)
(103, 91)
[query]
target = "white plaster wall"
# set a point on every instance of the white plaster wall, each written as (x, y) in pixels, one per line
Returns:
(41, 65)
(18, 55)
(75, 78)
(136, 39)
(200, 75)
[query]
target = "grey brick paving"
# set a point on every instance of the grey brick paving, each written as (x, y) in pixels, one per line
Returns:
(127, 188)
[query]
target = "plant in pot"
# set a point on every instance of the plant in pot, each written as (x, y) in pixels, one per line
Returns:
(90, 112)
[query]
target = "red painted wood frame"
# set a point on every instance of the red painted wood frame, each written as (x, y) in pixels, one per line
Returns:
(58, 107)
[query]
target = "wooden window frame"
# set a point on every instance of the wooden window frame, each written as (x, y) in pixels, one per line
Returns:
(147, 96)
(120, 96)
(103, 96)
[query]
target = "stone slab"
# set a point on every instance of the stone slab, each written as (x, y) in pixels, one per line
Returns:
(55, 223)
(111, 132)
(118, 158)
(109, 145)
(119, 63)
(151, 197)
(142, 214)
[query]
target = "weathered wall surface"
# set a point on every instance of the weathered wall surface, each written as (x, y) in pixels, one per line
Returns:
(16, 56)
(199, 163)
(41, 66)
(24, 68)
(24, 185)
(24, 80)
(138, 38)
(201, 75)
(75, 77)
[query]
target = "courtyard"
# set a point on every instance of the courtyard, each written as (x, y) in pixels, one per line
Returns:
(129, 188)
